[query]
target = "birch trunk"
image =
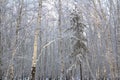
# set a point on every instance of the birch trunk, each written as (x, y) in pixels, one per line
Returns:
(33, 70)
(11, 73)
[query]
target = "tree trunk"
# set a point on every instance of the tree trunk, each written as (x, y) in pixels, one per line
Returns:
(33, 70)
(16, 41)
(118, 37)
(0, 42)
(80, 71)
(45, 56)
(60, 42)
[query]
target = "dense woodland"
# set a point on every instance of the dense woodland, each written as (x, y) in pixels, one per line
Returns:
(59, 39)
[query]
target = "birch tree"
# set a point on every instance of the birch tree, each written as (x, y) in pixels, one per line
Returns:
(37, 30)
(18, 24)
